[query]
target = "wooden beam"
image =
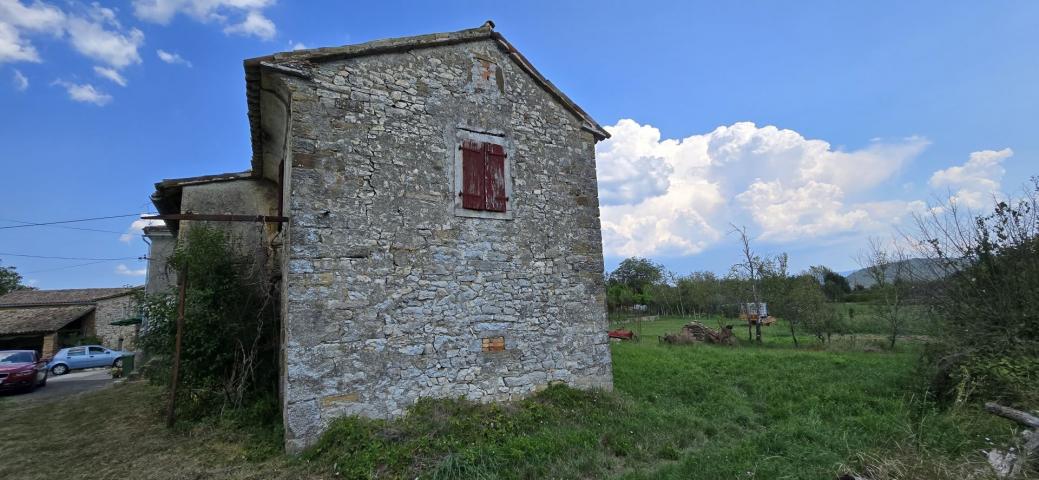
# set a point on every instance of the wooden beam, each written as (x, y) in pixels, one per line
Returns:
(175, 376)
(214, 217)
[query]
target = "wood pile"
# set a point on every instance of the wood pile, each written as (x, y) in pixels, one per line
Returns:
(696, 332)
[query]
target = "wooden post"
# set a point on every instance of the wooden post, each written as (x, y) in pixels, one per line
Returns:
(175, 374)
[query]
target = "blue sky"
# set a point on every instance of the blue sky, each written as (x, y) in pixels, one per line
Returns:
(815, 124)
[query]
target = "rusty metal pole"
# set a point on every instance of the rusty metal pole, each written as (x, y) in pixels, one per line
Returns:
(175, 374)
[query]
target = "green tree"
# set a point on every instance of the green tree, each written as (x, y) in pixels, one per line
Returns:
(637, 274)
(10, 280)
(834, 285)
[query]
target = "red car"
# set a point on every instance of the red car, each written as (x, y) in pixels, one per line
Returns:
(22, 370)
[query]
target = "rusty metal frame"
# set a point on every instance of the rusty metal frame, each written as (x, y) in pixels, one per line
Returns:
(218, 217)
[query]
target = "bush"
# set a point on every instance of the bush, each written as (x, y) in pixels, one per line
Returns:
(229, 350)
(989, 303)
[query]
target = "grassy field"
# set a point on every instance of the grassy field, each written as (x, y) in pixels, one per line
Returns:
(682, 412)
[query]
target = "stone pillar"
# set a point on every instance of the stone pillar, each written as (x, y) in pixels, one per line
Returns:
(50, 345)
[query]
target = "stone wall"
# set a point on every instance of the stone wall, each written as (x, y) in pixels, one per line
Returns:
(391, 293)
(246, 197)
(112, 309)
(161, 244)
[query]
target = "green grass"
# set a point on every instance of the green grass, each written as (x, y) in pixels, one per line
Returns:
(118, 433)
(684, 412)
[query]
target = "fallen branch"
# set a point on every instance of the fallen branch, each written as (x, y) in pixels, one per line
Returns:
(1010, 464)
(1024, 418)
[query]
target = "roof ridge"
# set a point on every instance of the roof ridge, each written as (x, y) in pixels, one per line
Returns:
(290, 62)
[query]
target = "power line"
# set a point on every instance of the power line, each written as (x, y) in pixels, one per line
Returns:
(41, 224)
(23, 222)
(63, 268)
(2, 254)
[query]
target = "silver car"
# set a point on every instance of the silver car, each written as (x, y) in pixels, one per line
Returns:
(85, 356)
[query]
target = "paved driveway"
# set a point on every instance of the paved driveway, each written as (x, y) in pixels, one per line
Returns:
(65, 385)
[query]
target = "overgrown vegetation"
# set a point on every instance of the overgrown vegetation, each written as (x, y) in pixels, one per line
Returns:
(688, 412)
(229, 350)
(988, 306)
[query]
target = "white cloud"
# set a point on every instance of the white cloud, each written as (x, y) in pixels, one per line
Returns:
(248, 14)
(37, 17)
(974, 183)
(297, 45)
(21, 82)
(122, 269)
(85, 93)
(93, 31)
(255, 24)
(631, 165)
(114, 48)
(677, 196)
(17, 20)
(14, 48)
(172, 58)
(137, 228)
(110, 74)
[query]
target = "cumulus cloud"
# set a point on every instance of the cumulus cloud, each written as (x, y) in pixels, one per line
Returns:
(172, 58)
(21, 82)
(255, 24)
(677, 196)
(111, 74)
(93, 30)
(297, 45)
(14, 48)
(115, 48)
(137, 228)
(631, 166)
(974, 183)
(85, 93)
(122, 269)
(17, 20)
(248, 14)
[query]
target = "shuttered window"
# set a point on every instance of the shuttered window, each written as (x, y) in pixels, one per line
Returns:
(483, 177)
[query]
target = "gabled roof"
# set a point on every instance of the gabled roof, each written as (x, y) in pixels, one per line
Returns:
(76, 296)
(39, 319)
(167, 195)
(296, 63)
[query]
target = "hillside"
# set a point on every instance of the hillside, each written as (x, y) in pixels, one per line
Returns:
(918, 269)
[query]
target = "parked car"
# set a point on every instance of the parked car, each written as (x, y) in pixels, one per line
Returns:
(85, 356)
(22, 370)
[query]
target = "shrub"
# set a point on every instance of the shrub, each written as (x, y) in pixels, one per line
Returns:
(229, 348)
(989, 303)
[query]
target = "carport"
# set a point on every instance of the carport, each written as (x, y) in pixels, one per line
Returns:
(40, 328)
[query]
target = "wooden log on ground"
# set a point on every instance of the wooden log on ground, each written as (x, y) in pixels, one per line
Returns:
(1010, 464)
(1024, 418)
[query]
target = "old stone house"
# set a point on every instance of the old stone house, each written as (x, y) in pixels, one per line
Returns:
(48, 320)
(432, 206)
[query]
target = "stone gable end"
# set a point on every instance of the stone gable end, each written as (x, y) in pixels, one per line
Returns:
(392, 290)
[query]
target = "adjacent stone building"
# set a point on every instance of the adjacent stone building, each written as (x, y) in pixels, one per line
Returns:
(432, 207)
(48, 320)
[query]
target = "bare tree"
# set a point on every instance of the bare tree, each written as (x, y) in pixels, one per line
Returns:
(890, 270)
(750, 269)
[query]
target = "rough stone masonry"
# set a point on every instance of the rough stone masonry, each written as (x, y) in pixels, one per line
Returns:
(443, 236)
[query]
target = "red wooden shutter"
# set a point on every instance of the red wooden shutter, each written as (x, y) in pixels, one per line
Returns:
(494, 179)
(473, 176)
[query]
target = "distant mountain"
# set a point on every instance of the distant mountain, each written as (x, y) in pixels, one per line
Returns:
(916, 268)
